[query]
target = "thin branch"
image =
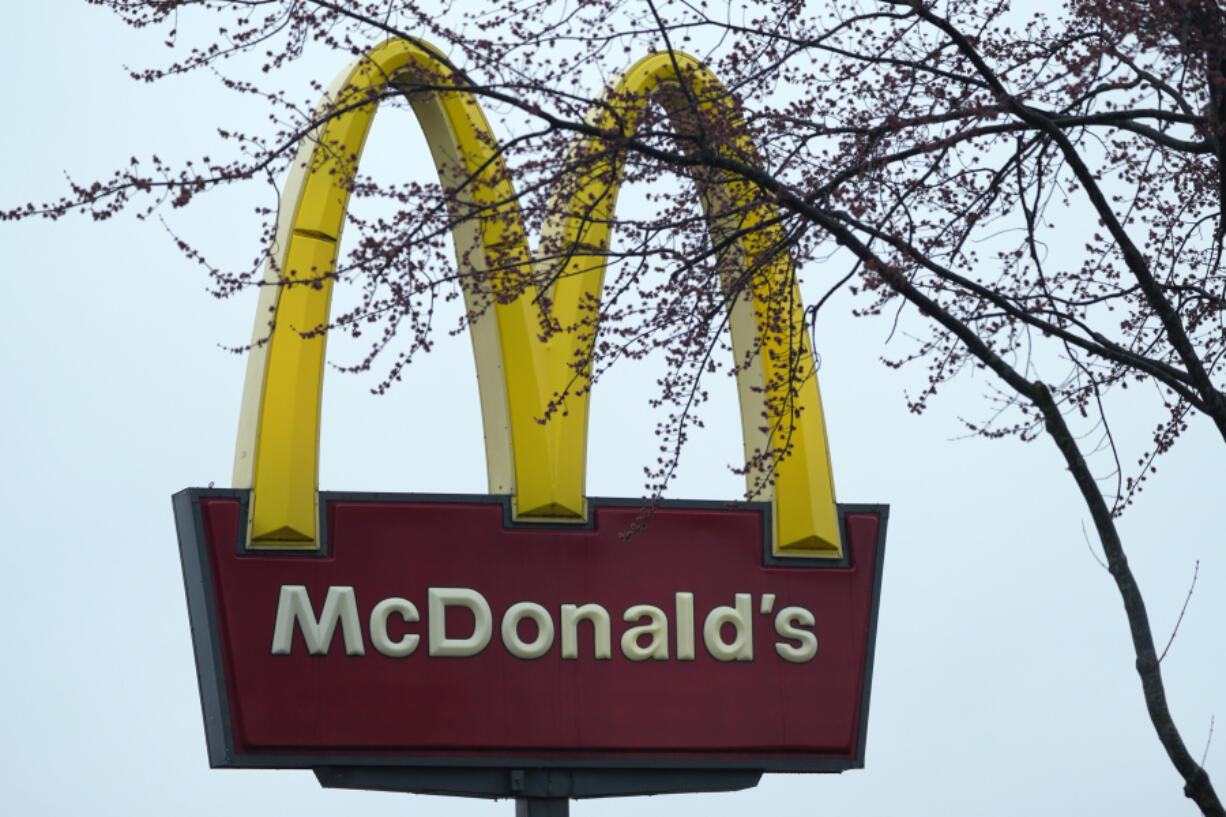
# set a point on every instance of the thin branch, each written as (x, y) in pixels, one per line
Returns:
(1182, 610)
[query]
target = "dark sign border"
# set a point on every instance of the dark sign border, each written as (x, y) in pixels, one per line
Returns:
(588, 776)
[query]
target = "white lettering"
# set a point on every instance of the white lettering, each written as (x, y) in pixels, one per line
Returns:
(294, 606)
(741, 648)
(378, 628)
(657, 630)
(684, 611)
(539, 616)
(438, 599)
(785, 626)
(601, 642)
(727, 631)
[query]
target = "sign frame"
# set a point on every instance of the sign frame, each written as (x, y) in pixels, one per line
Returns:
(200, 588)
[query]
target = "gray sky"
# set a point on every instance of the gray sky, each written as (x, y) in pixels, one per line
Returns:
(1004, 680)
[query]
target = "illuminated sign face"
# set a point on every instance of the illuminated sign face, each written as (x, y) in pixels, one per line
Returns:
(520, 629)
(435, 627)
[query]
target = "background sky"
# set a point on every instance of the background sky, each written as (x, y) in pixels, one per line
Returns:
(1004, 679)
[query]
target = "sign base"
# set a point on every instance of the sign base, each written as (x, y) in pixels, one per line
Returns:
(533, 784)
(537, 792)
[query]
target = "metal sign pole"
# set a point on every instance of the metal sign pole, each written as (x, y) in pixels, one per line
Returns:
(542, 807)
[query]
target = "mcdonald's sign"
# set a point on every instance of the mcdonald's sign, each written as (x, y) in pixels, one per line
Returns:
(440, 642)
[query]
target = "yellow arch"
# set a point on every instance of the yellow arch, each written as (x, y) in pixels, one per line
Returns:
(543, 465)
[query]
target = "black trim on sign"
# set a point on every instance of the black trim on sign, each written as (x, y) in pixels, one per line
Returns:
(198, 585)
(538, 783)
(590, 774)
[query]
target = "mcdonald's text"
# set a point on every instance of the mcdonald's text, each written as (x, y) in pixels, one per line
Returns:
(727, 630)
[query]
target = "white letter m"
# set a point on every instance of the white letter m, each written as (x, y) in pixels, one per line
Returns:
(294, 605)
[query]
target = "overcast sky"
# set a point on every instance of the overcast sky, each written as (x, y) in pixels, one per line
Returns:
(1004, 680)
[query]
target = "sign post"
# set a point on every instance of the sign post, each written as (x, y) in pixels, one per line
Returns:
(515, 644)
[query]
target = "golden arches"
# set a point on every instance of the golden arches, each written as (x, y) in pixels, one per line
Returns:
(542, 465)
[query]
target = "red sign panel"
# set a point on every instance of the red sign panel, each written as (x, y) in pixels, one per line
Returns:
(433, 630)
